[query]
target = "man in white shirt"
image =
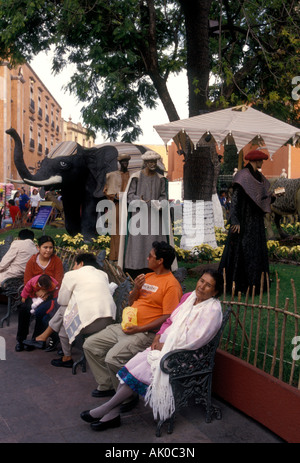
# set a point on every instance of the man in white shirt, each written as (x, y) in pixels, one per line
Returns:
(13, 263)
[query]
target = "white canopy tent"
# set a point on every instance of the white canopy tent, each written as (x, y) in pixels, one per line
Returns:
(244, 124)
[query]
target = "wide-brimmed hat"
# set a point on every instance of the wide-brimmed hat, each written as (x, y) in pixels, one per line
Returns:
(256, 155)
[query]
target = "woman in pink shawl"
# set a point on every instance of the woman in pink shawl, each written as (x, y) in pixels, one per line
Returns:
(193, 324)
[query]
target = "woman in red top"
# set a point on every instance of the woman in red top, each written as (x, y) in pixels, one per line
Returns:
(43, 262)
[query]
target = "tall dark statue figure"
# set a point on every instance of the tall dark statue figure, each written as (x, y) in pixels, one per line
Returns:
(245, 255)
(80, 175)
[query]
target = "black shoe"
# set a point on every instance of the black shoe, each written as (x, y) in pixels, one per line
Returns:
(108, 393)
(85, 416)
(29, 348)
(19, 347)
(129, 405)
(60, 363)
(34, 343)
(102, 425)
(53, 343)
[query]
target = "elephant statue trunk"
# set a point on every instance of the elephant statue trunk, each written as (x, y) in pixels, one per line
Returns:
(18, 155)
(28, 178)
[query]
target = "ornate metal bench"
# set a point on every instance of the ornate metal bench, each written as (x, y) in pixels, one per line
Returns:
(190, 374)
(11, 287)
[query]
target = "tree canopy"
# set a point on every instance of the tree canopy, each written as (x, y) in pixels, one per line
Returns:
(124, 52)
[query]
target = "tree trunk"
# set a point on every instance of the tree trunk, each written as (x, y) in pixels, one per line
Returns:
(196, 13)
(151, 62)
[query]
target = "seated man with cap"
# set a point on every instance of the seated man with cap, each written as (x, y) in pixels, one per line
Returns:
(245, 256)
(116, 183)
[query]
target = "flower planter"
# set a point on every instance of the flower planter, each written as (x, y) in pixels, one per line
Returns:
(271, 402)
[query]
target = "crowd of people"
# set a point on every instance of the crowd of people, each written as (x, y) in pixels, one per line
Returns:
(80, 301)
(21, 206)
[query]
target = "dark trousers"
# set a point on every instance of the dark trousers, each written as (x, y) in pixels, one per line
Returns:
(41, 318)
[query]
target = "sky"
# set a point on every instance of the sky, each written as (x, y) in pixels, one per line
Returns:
(177, 86)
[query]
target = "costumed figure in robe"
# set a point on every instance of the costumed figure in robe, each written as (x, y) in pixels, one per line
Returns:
(116, 183)
(245, 255)
(148, 216)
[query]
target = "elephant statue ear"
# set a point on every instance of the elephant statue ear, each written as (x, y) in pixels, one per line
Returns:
(100, 161)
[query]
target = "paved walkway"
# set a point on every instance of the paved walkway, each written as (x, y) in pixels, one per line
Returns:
(41, 404)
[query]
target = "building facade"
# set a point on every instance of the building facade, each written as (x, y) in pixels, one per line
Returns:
(78, 133)
(27, 106)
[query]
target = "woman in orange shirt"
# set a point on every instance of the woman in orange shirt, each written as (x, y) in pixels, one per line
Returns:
(44, 262)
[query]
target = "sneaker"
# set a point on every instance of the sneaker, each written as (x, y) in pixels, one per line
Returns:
(53, 343)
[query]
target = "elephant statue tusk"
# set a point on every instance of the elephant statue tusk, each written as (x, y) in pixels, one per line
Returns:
(50, 181)
(12, 180)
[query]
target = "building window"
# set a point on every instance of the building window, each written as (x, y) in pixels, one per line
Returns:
(40, 111)
(52, 118)
(57, 125)
(46, 146)
(31, 139)
(40, 148)
(46, 114)
(31, 103)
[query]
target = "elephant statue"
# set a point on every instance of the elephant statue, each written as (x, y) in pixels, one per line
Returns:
(80, 175)
(288, 204)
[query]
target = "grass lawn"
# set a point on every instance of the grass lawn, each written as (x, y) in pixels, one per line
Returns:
(284, 272)
(50, 231)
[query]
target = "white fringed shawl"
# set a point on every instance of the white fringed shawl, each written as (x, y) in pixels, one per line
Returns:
(192, 327)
